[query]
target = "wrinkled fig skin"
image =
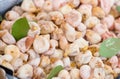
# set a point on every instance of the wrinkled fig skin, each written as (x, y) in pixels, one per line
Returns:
(5, 5)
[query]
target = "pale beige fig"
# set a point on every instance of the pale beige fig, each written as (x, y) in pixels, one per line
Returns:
(25, 43)
(75, 73)
(86, 11)
(25, 71)
(85, 71)
(7, 65)
(32, 54)
(67, 63)
(34, 29)
(45, 61)
(74, 18)
(41, 44)
(29, 6)
(12, 15)
(57, 33)
(47, 6)
(66, 9)
(96, 62)
(70, 32)
(46, 26)
(35, 62)
(39, 73)
(99, 73)
(64, 74)
(17, 63)
(39, 3)
(6, 25)
(18, 9)
(58, 53)
(85, 1)
(57, 63)
(13, 51)
(93, 37)
(29, 16)
(8, 38)
(98, 12)
(58, 4)
(2, 45)
(83, 58)
(57, 17)
(63, 43)
(92, 22)
(74, 3)
(53, 43)
(43, 16)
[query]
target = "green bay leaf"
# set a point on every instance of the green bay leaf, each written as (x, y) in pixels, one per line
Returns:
(20, 28)
(54, 71)
(109, 47)
(118, 8)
